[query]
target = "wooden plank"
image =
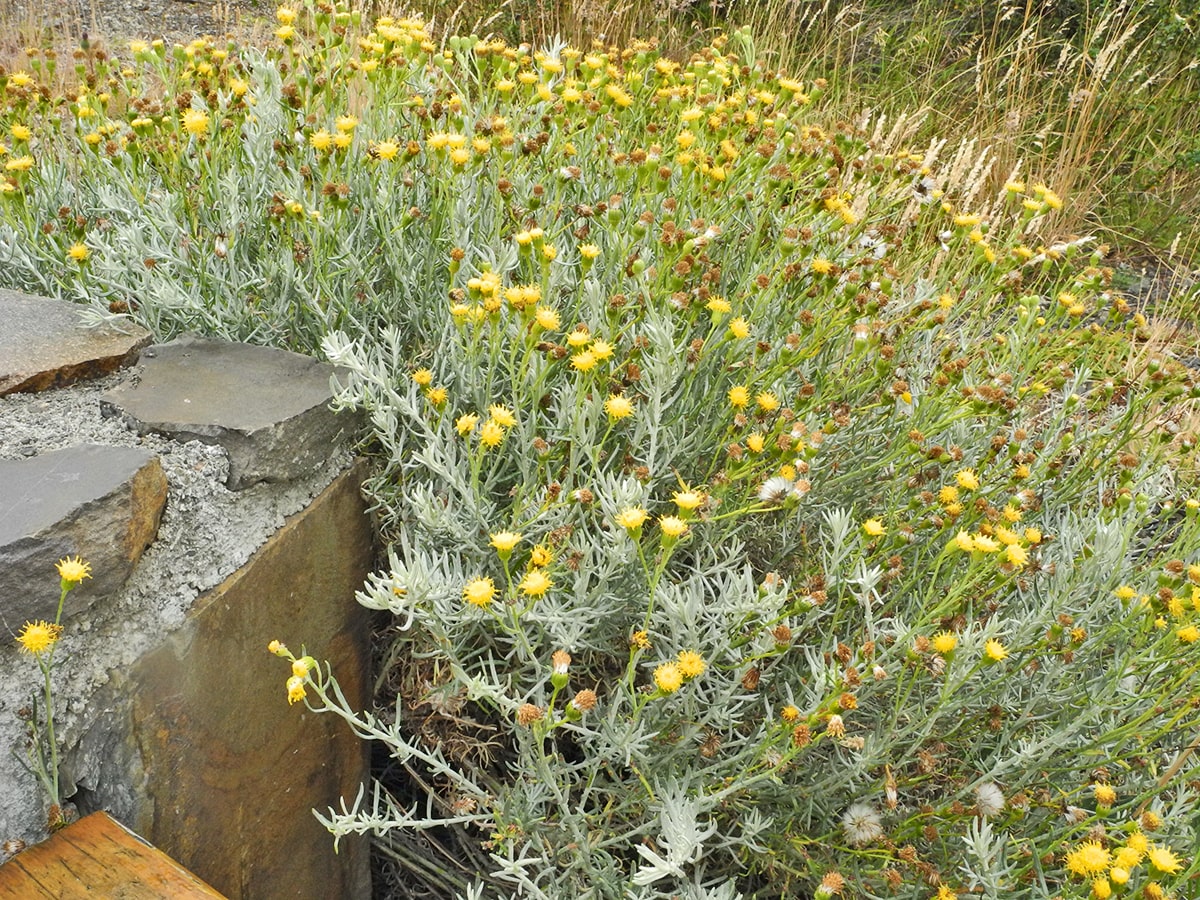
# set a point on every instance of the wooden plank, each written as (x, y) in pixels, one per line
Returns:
(98, 856)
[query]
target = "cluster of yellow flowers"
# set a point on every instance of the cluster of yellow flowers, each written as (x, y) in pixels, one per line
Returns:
(1106, 867)
(302, 671)
(670, 676)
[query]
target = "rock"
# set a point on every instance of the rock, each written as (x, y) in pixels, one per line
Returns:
(43, 345)
(209, 762)
(101, 503)
(268, 408)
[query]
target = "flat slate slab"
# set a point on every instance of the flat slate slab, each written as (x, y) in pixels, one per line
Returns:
(101, 503)
(268, 408)
(44, 345)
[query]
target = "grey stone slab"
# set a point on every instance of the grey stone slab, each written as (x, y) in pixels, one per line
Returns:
(101, 503)
(44, 345)
(268, 408)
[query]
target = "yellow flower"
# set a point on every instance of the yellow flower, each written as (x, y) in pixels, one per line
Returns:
(1104, 794)
(320, 140)
(945, 642)
(195, 122)
(673, 526)
(967, 480)
(691, 664)
(767, 401)
(963, 541)
(601, 349)
(504, 541)
(995, 651)
(423, 377)
(873, 528)
(1127, 858)
(479, 591)
(491, 434)
(21, 132)
(19, 164)
(718, 305)
(1164, 859)
(300, 667)
(502, 415)
(20, 79)
(541, 556)
(948, 494)
(584, 361)
(535, 583)
(755, 442)
(631, 518)
(589, 251)
(1138, 843)
(278, 648)
(386, 150)
(618, 407)
(295, 689)
(1016, 554)
(739, 396)
(821, 266)
(688, 499)
(38, 637)
(73, 570)
(739, 328)
(1189, 634)
(346, 124)
(466, 423)
(547, 318)
(986, 544)
(618, 96)
(1088, 859)
(78, 252)
(285, 32)
(789, 713)
(285, 15)
(1101, 889)
(668, 677)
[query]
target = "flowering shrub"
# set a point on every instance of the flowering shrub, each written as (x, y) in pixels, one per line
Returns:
(770, 511)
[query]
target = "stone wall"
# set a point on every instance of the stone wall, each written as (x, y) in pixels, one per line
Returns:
(217, 499)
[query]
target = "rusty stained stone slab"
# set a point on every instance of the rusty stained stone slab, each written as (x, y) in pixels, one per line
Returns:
(268, 408)
(101, 503)
(231, 771)
(43, 345)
